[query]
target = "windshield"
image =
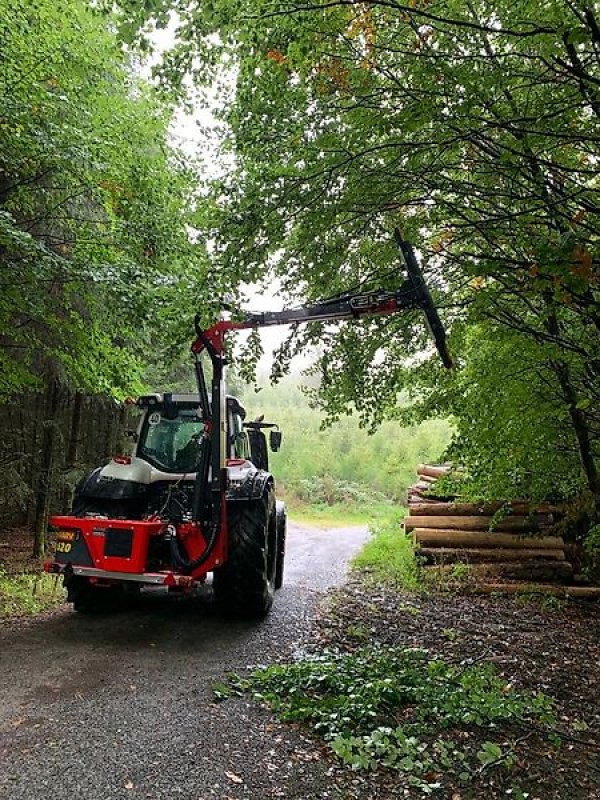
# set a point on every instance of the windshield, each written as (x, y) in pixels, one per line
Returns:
(172, 445)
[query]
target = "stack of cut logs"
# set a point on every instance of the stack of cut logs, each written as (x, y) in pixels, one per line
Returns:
(507, 541)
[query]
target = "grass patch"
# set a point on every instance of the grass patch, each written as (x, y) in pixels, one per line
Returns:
(337, 515)
(389, 555)
(397, 708)
(27, 594)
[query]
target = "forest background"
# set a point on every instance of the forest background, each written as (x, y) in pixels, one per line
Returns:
(473, 126)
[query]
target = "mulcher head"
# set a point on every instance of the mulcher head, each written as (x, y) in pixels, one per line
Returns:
(423, 298)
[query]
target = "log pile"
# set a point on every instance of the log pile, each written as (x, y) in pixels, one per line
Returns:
(502, 541)
(422, 491)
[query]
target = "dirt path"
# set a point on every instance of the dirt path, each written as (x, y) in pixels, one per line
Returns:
(121, 706)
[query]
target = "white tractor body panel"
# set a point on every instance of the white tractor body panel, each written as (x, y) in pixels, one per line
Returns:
(140, 471)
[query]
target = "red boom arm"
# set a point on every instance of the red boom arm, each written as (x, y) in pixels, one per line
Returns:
(412, 294)
(209, 500)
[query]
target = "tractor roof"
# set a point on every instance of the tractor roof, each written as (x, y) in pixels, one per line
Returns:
(185, 400)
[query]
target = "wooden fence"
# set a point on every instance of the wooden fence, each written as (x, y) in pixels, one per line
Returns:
(48, 441)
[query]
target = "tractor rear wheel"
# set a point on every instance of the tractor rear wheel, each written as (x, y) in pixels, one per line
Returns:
(245, 585)
(281, 517)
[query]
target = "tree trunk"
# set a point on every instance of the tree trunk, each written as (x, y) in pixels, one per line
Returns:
(584, 592)
(46, 469)
(582, 432)
(428, 479)
(448, 538)
(476, 555)
(422, 487)
(433, 471)
(479, 523)
(74, 432)
(518, 507)
(578, 419)
(36, 415)
(531, 571)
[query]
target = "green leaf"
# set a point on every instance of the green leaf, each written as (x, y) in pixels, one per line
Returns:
(489, 752)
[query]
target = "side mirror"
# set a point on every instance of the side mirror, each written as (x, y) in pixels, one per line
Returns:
(275, 438)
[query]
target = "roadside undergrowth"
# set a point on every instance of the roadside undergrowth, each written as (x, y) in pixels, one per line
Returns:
(397, 708)
(24, 594)
(389, 555)
(337, 515)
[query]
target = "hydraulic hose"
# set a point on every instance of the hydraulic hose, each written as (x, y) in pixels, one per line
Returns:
(181, 561)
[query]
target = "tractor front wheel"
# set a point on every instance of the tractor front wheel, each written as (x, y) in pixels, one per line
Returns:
(245, 585)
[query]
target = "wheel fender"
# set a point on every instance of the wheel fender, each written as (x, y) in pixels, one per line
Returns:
(87, 483)
(255, 487)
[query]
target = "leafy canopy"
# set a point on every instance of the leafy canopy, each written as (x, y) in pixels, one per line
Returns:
(96, 265)
(472, 125)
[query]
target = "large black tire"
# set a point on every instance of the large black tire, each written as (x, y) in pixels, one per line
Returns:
(281, 517)
(245, 585)
(88, 599)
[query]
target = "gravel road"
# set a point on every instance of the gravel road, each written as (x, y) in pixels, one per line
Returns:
(121, 706)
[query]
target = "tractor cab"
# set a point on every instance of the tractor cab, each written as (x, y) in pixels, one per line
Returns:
(170, 438)
(171, 433)
(169, 444)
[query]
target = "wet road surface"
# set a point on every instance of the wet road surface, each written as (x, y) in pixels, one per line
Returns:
(121, 706)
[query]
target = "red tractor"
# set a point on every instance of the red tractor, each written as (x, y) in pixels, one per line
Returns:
(196, 496)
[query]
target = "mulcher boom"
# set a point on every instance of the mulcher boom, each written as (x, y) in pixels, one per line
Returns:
(209, 500)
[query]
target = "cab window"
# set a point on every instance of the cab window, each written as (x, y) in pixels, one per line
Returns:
(238, 437)
(172, 445)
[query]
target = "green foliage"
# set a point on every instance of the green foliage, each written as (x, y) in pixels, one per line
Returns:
(592, 553)
(355, 701)
(537, 596)
(94, 204)
(592, 542)
(389, 556)
(473, 126)
(343, 463)
(338, 515)
(26, 594)
(327, 492)
(513, 435)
